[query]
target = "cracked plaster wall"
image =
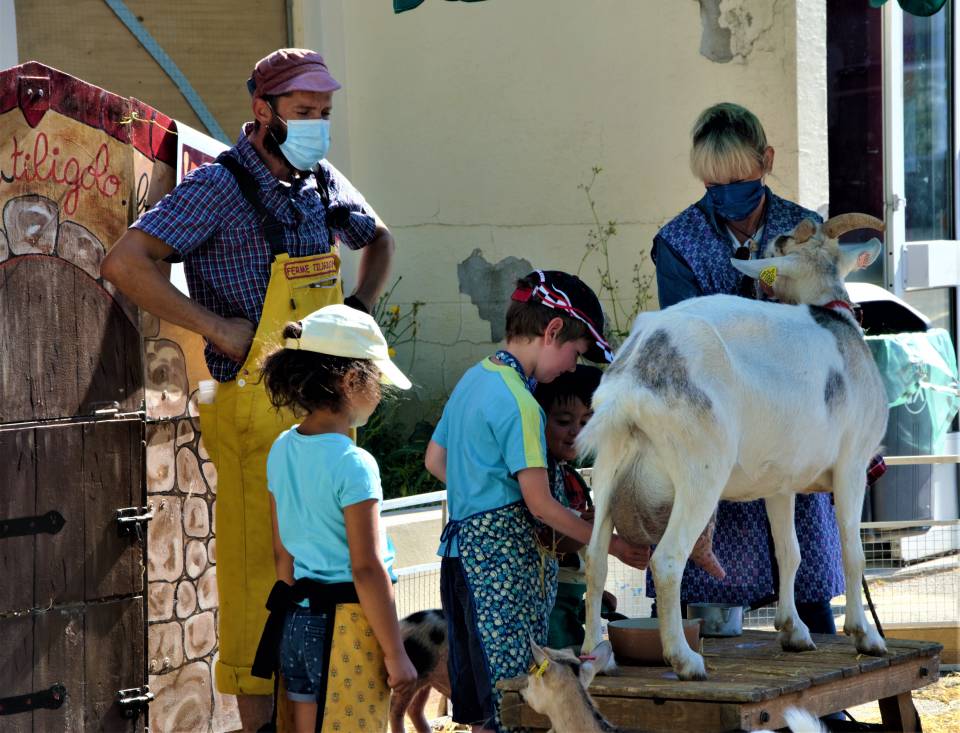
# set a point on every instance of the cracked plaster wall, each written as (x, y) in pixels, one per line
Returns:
(470, 127)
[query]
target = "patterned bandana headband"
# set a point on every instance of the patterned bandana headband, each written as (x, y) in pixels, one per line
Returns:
(558, 300)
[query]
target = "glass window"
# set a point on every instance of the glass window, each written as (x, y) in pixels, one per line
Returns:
(927, 125)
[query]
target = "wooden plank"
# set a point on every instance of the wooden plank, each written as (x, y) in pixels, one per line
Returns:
(113, 660)
(17, 499)
(843, 694)
(58, 657)
(629, 714)
(86, 354)
(947, 635)
(16, 671)
(60, 558)
(111, 478)
(110, 350)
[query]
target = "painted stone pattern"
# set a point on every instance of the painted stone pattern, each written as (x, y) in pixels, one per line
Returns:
(181, 485)
(72, 178)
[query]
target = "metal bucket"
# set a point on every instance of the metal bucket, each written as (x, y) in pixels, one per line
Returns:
(718, 619)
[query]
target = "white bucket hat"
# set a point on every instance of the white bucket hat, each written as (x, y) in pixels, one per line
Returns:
(340, 330)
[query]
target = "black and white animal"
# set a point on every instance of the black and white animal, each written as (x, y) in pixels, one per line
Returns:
(722, 397)
(557, 687)
(425, 641)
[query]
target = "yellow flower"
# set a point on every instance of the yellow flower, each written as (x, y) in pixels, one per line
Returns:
(391, 352)
(395, 309)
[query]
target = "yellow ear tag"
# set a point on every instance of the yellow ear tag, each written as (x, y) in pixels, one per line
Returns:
(768, 276)
(538, 670)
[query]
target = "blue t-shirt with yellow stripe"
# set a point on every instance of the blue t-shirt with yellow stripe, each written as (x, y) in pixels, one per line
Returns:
(491, 428)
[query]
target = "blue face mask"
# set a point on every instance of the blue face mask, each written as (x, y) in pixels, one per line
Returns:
(736, 201)
(307, 142)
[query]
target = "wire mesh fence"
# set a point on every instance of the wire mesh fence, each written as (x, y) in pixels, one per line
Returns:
(912, 569)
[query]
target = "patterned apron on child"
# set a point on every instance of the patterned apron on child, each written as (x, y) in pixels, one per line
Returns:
(512, 583)
(238, 430)
(354, 695)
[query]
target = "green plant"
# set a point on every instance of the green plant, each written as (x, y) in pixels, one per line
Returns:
(398, 448)
(619, 316)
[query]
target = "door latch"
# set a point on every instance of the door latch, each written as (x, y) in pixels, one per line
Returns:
(130, 520)
(134, 700)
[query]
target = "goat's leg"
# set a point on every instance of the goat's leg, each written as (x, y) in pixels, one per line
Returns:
(597, 570)
(687, 520)
(794, 634)
(848, 490)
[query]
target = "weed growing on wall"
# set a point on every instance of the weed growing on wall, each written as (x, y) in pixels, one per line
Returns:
(624, 305)
(398, 448)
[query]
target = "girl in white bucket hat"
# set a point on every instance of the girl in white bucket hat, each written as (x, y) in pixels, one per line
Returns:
(332, 632)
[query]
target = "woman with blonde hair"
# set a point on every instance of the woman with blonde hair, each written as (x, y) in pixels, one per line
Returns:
(736, 217)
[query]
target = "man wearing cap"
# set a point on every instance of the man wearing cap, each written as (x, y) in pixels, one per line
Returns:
(258, 232)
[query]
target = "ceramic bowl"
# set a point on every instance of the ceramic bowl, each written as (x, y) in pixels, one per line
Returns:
(637, 640)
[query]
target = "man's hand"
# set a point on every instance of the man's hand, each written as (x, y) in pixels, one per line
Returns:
(636, 556)
(233, 338)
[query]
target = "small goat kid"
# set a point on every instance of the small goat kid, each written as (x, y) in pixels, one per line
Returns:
(722, 397)
(557, 687)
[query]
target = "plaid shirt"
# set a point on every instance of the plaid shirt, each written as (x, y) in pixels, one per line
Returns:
(220, 240)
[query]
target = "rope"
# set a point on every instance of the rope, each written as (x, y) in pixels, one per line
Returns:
(169, 67)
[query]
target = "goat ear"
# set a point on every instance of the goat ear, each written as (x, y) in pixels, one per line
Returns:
(858, 256)
(787, 265)
(538, 653)
(602, 654)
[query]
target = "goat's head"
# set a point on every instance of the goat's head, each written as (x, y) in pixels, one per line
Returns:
(809, 264)
(557, 675)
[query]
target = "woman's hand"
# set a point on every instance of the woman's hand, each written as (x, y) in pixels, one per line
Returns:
(400, 672)
(636, 556)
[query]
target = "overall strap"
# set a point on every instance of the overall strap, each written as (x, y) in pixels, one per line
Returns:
(272, 227)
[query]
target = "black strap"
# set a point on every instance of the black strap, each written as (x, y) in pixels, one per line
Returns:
(323, 597)
(272, 228)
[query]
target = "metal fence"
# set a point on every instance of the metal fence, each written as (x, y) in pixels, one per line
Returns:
(913, 572)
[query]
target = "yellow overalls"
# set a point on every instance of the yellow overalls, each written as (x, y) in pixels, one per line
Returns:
(238, 430)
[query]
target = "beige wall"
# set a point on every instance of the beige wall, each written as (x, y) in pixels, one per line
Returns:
(471, 126)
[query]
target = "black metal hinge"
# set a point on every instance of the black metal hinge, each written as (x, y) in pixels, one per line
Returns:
(134, 700)
(50, 523)
(130, 519)
(50, 699)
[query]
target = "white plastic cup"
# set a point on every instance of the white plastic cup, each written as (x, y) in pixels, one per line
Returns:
(206, 391)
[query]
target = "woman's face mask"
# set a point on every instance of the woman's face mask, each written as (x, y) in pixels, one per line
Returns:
(306, 142)
(736, 201)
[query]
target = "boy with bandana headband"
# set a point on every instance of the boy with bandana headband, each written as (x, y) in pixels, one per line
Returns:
(497, 584)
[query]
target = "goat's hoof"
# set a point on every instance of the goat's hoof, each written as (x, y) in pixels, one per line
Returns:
(611, 669)
(868, 641)
(689, 667)
(797, 639)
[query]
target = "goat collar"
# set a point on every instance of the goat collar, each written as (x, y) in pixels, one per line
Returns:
(852, 309)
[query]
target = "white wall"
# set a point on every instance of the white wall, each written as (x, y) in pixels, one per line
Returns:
(8, 34)
(471, 125)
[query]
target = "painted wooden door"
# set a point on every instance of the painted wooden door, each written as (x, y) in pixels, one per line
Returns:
(72, 617)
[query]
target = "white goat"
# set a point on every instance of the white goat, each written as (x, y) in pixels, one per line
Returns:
(722, 397)
(557, 687)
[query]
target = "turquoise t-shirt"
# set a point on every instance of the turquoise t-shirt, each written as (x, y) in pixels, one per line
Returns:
(491, 428)
(312, 479)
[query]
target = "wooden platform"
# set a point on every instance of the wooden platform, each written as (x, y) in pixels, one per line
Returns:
(751, 682)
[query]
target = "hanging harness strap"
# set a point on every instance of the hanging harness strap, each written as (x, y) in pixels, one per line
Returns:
(272, 227)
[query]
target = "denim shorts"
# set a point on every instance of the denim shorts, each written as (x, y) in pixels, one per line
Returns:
(303, 660)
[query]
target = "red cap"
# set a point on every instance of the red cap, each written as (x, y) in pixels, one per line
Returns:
(291, 70)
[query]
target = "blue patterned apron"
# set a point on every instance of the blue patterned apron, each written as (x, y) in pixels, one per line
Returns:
(513, 581)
